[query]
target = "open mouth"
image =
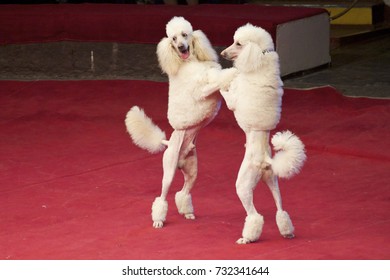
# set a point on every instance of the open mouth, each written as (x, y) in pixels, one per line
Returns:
(185, 53)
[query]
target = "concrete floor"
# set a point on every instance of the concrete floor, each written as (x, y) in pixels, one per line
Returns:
(358, 69)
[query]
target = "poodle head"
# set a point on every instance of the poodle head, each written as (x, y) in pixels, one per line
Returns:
(250, 44)
(179, 31)
(183, 44)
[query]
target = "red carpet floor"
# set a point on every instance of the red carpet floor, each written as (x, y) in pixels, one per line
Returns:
(73, 186)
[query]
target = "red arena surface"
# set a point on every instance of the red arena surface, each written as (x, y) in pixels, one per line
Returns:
(73, 186)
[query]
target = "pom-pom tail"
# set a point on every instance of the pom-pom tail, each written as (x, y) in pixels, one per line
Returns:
(290, 154)
(144, 133)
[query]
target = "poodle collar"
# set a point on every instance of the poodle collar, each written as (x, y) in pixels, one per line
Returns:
(267, 51)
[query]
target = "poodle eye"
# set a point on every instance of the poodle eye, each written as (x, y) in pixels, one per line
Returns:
(238, 44)
(184, 35)
(174, 38)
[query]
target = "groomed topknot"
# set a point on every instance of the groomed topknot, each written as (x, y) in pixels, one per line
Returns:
(177, 25)
(255, 34)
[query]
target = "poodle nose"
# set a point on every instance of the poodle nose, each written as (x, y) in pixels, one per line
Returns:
(182, 48)
(224, 54)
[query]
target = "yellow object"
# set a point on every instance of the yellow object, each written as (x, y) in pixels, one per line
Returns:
(356, 16)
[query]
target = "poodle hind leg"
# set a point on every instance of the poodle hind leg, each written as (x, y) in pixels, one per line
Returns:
(183, 198)
(248, 177)
(246, 182)
(170, 163)
(189, 168)
(283, 220)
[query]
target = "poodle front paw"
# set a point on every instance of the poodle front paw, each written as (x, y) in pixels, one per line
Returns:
(208, 90)
(227, 77)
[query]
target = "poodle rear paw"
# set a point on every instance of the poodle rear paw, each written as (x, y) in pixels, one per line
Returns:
(184, 205)
(243, 240)
(284, 223)
(252, 228)
(289, 236)
(159, 212)
(189, 216)
(158, 224)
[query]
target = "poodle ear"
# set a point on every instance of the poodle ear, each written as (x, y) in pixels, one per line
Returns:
(250, 58)
(202, 48)
(167, 57)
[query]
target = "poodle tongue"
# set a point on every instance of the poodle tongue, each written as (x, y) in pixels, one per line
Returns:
(185, 54)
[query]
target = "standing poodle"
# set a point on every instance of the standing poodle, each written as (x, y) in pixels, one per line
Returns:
(255, 97)
(190, 62)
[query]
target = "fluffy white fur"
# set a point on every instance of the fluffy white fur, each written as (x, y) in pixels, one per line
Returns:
(255, 97)
(191, 63)
(184, 204)
(159, 210)
(143, 131)
(252, 229)
(290, 155)
(187, 104)
(284, 224)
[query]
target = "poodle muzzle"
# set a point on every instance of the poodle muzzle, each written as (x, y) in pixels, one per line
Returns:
(184, 51)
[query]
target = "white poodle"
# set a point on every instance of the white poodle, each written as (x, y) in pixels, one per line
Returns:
(255, 97)
(191, 63)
